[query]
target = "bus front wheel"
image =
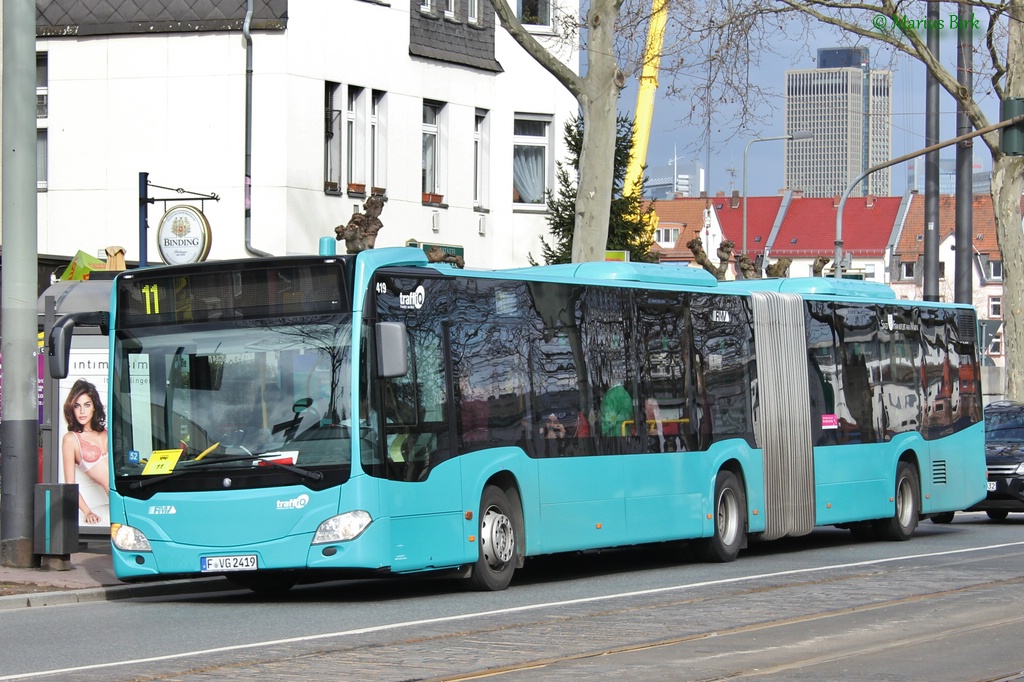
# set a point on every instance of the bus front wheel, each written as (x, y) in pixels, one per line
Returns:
(730, 511)
(499, 532)
(908, 493)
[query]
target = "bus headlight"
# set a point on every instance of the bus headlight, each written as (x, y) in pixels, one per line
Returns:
(347, 526)
(128, 539)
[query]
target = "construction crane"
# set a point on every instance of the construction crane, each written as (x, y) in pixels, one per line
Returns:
(648, 88)
(646, 91)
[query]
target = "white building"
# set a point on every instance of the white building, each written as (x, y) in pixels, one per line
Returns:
(417, 99)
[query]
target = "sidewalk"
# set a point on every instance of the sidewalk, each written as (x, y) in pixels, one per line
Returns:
(91, 578)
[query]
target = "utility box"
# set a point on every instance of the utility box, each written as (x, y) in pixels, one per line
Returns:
(56, 518)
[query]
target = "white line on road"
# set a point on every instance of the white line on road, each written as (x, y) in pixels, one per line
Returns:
(482, 614)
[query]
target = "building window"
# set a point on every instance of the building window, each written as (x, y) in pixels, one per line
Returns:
(473, 11)
(869, 271)
(995, 269)
(377, 140)
(449, 8)
(942, 269)
(996, 347)
(354, 137)
(534, 12)
(332, 140)
(481, 145)
(907, 270)
(530, 159)
(42, 83)
(433, 146)
(995, 307)
(666, 235)
(42, 112)
(41, 144)
(426, 6)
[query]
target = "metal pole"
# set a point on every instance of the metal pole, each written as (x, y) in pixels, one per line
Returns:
(796, 135)
(931, 165)
(143, 219)
(964, 158)
(20, 290)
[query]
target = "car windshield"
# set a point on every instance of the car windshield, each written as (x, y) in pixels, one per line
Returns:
(1005, 424)
(232, 397)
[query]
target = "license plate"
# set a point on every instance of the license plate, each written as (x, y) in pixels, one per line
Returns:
(991, 486)
(239, 562)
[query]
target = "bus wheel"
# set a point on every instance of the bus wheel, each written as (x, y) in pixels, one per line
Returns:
(901, 526)
(730, 521)
(499, 524)
(997, 514)
(945, 517)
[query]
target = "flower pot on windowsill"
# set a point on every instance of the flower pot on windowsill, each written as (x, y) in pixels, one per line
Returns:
(357, 188)
(426, 197)
(378, 191)
(331, 187)
(436, 198)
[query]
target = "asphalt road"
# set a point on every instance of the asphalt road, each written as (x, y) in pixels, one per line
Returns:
(943, 606)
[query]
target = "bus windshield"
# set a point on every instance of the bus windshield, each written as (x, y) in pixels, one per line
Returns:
(195, 401)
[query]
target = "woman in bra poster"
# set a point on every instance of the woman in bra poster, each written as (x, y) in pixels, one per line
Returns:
(83, 452)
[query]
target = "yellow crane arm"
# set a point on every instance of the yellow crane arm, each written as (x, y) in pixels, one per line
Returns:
(648, 88)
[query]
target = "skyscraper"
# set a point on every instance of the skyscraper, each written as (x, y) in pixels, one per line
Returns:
(847, 106)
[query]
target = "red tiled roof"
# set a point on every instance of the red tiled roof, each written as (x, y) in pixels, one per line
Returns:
(688, 215)
(983, 225)
(761, 214)
(809, 228)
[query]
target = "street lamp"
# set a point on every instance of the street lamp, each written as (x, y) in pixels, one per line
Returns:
(795, 135)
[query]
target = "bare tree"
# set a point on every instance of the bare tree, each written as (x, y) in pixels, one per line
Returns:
(597, 93)
(706, 56)
(999, 60)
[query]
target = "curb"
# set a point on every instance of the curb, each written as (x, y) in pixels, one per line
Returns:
(115, 592)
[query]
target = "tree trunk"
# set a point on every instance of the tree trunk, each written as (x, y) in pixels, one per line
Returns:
(593, 200)
(1007, 185)
(599, 104)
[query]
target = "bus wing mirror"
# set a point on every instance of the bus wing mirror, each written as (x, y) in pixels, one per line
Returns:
(392, 350)
(58, 347)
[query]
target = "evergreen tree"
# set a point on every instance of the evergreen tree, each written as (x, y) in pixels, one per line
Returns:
(630, 217)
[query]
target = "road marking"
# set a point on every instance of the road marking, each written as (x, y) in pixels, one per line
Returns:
(497, 612)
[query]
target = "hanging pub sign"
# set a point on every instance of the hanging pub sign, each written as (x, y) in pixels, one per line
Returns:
(183, 235)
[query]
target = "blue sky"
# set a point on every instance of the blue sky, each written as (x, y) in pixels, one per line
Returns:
(764, 162)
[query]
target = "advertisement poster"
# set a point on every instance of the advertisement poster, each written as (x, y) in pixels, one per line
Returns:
(83, 457)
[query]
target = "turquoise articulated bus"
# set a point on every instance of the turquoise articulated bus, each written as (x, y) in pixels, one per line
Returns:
(295, 419)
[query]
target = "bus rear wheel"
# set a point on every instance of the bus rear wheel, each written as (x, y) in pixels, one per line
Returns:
(499, 537)
(730, 510)
(908, 493)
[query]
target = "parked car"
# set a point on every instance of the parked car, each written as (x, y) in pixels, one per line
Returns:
(1004, 455)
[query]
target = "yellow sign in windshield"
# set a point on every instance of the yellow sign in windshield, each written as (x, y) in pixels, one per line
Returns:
(162, 462)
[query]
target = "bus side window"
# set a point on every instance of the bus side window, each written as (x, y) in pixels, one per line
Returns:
(416, 411)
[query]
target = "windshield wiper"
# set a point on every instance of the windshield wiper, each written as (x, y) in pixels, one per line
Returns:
(196, 464)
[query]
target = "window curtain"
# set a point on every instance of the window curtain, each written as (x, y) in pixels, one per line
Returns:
(528, 175)
(429, 162)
